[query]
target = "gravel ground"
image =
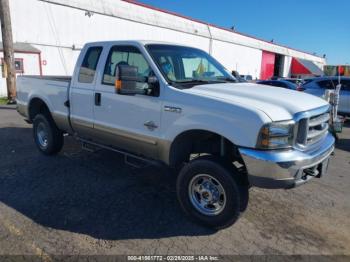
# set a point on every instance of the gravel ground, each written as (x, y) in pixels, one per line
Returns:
(86, 203)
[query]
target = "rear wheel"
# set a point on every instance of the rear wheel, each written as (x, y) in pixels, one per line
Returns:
(48, 138)
(210, 192)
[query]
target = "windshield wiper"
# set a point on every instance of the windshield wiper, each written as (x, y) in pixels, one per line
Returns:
(193, 81)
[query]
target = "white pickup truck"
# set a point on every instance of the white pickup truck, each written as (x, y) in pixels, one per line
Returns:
(178, 106)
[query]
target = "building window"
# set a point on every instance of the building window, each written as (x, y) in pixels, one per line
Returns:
(19, 67)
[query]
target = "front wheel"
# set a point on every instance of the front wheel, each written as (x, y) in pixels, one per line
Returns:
(210, 193)
(48, 138)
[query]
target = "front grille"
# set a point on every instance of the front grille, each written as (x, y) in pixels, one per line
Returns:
(318, 127)
(312, 129)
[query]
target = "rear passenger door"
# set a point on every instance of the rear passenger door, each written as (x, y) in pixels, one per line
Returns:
(130, 122)
(82, 91)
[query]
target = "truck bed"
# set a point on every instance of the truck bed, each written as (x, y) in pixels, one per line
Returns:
(53, 78)
(53, 90)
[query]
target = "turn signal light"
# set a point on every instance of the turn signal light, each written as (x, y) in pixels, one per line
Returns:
(118, 85)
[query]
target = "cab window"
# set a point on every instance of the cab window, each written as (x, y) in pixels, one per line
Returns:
(125, 55)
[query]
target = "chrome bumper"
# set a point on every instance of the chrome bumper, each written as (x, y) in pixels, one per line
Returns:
(287, 168)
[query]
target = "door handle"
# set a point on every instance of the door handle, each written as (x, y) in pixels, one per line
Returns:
(97, 99)
(150, 125)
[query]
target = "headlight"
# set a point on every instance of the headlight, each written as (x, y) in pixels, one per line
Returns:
(276, 135)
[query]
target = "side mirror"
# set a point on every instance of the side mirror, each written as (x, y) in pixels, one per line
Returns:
(152, 80)
(126, 80)
(153, 86)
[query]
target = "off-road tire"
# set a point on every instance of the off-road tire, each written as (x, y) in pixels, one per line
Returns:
(53, 137)
(228, 176)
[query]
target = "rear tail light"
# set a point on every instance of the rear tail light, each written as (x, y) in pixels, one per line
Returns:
(301, 89)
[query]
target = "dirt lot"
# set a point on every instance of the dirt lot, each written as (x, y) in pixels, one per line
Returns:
(92, 203)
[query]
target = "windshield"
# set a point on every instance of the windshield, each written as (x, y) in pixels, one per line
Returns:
(183, 66)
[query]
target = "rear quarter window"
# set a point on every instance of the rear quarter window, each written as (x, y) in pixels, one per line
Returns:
(88, 67)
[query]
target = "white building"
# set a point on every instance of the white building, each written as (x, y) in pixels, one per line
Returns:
(55, 30)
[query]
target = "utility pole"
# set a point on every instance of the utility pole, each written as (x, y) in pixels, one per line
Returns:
(9, 59)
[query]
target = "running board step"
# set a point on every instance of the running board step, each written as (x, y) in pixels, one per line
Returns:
(129, 158)
(88, 147)
(136, 163)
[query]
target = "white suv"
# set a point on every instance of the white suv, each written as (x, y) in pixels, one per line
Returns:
(318, 86)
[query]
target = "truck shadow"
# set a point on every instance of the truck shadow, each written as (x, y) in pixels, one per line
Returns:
(343, 143)
(89, 193)
(8, 107)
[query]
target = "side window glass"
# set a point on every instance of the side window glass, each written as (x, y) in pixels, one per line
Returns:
(88, 67)
(345, 85)
(326, 84)
(125, 55)
(335, 83)
(136, 59)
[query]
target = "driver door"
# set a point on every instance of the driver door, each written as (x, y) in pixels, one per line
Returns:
(129, 122)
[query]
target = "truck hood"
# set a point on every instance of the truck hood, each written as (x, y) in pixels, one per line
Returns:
(277, 103)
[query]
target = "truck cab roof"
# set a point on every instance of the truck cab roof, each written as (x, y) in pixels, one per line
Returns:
(133, 42)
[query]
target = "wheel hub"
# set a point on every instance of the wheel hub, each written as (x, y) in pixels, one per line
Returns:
(207, 195)
(42, 135)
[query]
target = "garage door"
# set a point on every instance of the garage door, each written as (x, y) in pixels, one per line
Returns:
(267, 65)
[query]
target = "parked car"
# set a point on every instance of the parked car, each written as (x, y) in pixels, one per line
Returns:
(238, 77)
(176, 106)
(297, 81)
(317, 86)
(281, 83)
(247, 78)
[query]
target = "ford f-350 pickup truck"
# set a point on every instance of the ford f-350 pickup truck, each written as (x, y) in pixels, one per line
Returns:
(176, 105)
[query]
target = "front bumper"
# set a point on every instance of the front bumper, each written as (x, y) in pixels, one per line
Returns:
(287, 168)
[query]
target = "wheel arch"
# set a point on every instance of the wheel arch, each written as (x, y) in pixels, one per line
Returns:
(200, 141)
(37, 106)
